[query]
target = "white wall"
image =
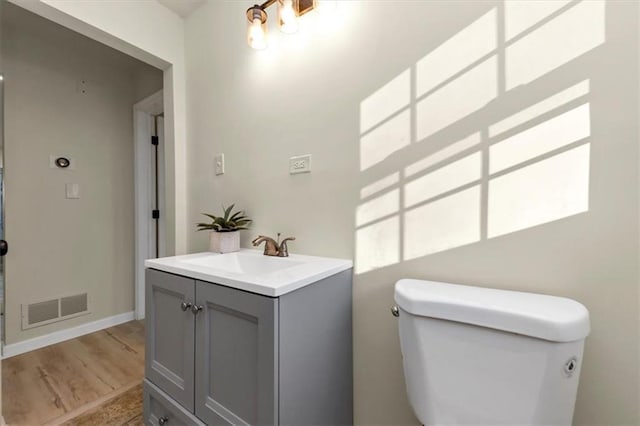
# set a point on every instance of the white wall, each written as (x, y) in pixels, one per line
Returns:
(562, 220)
(159, 42)
(59, 246)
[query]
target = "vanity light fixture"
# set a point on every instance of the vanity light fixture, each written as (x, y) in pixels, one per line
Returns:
(287, 19)
(288, 13)
(257, 34)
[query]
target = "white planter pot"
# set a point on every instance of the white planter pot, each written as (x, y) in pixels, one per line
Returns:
(224, 242)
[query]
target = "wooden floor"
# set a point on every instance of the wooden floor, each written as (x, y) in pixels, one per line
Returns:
(53, 384)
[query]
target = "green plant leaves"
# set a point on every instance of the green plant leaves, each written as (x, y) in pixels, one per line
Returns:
(228, 222)
(227, 212)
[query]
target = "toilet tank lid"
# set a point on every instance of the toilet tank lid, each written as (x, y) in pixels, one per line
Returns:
(557, 319)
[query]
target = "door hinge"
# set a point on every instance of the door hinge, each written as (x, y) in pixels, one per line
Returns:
(155, 140)
(155, 214)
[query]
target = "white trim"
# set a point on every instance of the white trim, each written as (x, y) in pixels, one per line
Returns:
(143, 113)
(62, 335)
(152, 104)
(162, 243)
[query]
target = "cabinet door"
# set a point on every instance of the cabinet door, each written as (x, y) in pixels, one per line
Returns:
(236, 357)
(170, 332)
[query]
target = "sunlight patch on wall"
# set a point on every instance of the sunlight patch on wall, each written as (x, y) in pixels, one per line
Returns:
(534, 111)
(378, 208)
(384, 140)
(380, 185)
(523, 14)
(447, 178)
(568, 36)
(547, 136)
(549, 190)
(470, 45)
(450, 222)
(443, 154)
(389, 99)
(476, 87)
(378, 245)
(526, 167)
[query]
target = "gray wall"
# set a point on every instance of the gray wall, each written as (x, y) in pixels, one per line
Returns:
(61, 247)
(546, 201)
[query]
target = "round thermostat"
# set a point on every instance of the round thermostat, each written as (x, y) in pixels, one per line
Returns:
(62, 162)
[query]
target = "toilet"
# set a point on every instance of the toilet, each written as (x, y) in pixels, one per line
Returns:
(481, 356)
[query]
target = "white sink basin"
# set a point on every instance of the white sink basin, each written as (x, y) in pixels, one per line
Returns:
(242, 262)
(250, 270)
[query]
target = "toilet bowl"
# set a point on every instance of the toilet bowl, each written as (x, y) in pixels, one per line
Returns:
(480, 356)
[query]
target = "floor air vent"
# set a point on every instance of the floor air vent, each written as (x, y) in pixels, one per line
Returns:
(41, 313)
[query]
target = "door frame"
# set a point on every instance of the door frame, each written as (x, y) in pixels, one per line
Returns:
(143, 128)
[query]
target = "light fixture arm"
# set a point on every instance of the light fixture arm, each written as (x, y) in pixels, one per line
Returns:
(267, 3)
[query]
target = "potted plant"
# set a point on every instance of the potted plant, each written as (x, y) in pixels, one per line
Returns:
(224, 236)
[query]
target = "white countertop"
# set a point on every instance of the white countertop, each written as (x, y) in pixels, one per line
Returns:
(251, 271)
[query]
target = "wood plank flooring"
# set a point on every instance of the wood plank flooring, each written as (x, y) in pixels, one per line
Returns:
(50, 383)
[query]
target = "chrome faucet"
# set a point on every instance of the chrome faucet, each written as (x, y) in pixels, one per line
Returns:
(273, 247)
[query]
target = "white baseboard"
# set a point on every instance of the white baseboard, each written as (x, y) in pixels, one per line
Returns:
(62, 335)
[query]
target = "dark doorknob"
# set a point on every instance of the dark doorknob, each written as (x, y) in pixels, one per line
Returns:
(4, 247)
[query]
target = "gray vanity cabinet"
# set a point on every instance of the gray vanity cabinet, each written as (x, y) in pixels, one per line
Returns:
(231, 357)
(170, 335)
(236, 360)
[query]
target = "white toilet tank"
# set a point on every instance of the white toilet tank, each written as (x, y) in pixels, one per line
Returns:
(480, 356)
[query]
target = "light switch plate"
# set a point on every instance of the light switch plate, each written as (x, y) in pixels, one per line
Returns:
(72, 190)
(300, 164)
(219, 164)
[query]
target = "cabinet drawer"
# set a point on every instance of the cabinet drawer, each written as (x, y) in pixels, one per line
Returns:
(157, 406)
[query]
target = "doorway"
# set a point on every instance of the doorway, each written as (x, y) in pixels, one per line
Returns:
(70, 180)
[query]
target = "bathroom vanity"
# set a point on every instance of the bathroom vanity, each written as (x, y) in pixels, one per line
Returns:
(246, 339)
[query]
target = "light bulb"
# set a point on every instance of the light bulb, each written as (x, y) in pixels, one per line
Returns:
(287, 17)
(257, 36)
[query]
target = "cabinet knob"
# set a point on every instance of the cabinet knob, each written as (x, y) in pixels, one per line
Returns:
(185, 305)
(195, 309)
(163, 420)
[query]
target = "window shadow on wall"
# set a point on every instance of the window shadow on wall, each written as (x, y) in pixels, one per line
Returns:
(470, 143)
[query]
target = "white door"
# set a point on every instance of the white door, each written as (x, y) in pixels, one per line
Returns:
(158, 186)
(149, 189)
